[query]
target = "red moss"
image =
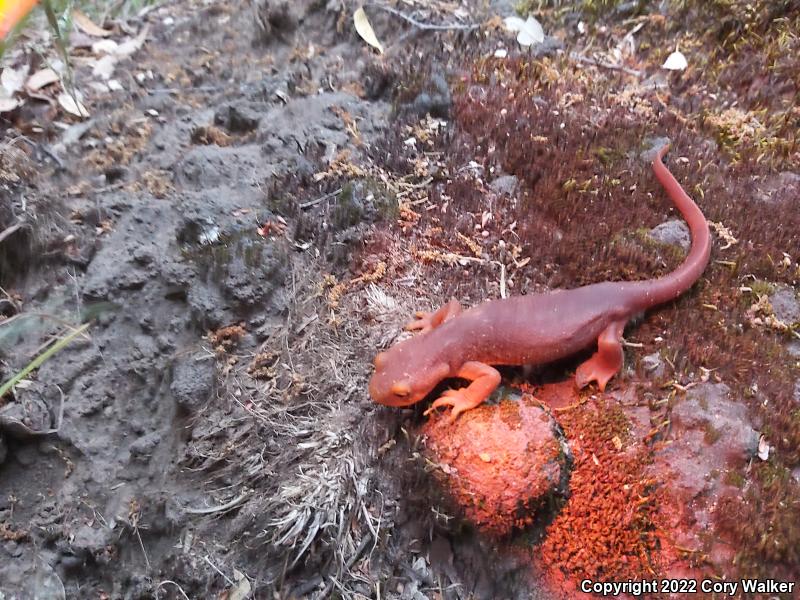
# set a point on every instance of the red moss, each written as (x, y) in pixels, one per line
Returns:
(606, 531)
(499, 462)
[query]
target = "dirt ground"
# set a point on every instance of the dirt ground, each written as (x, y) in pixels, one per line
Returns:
(265, 203)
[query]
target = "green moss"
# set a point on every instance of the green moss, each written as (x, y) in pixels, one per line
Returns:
(735, 479)
(348, 211)
(712, 434)
(608, 156)
(762, 288)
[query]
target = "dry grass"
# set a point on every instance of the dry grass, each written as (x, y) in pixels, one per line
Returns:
(300, 445)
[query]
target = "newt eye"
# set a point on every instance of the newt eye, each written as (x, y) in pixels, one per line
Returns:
(401, 388)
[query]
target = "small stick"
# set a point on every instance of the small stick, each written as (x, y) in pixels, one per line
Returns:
(9, 230)
(605, 65)
(311, 203)
(215, 509)
(420, 24)
(180, 589)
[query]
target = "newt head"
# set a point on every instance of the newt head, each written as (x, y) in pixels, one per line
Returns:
(404, 375)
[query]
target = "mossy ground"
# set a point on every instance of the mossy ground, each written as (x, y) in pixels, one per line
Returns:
(572, 135)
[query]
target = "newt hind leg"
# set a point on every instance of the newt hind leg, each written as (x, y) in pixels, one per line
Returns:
(606, 362)
(426, 321)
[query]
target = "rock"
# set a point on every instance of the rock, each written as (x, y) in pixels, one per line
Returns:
(90, 541)
(500, 463)
(796, 395)
(193, 381)
(29, 577)
(434, 99)
(674, 233)
(794, 349)
(652, 146)
(3, 449)
(785, 306)
(549, 47)
(275, 18)
(708, 408)
(237, 119)
(779, 187)
(503, 8)
(27, 416)
(653, 364)
(144, 446)
(504, 184)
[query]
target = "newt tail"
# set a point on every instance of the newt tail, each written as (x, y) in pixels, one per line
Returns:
(532, 329)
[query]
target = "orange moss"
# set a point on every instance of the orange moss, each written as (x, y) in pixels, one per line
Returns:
(606, 531)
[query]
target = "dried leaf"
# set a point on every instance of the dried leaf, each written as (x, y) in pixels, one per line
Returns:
(531, 33)
(242, 589)
(365, 30)
(131, 45)
(40, 79)
(763, 448)
(675, 62)
(86, 25)
(514, 24)
(8, 104)
(13, 80)
(104, 68)
(73, 105)
(105, 47)
(528, 32)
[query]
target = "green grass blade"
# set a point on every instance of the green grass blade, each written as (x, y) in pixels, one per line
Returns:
(40, 360)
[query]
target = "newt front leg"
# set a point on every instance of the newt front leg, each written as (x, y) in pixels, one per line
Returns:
(426, 321)
(484, 380)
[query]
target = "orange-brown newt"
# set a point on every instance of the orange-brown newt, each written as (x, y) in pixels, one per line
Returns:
(532, 329)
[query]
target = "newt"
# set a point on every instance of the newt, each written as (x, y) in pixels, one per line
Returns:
(532, 329)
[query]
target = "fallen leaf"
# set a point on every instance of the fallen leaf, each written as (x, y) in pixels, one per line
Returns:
(73, 105)
(105, 47)
(40, 79)
(131, 45)
(514, 24)
(365, 30)
(532, 33)
(675, 62)
(529, 32)
(13, 80)
(763, 448)
(242, 589)
(104, 68)
(86, 25)
(8, 104)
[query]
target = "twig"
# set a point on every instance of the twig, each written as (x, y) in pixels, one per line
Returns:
(606, 65)
(9, 230)
(311, 203)
(366, 541)
(166, 581)
(213, 566)
(141, 544)
(420, 24)
(214, 509)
